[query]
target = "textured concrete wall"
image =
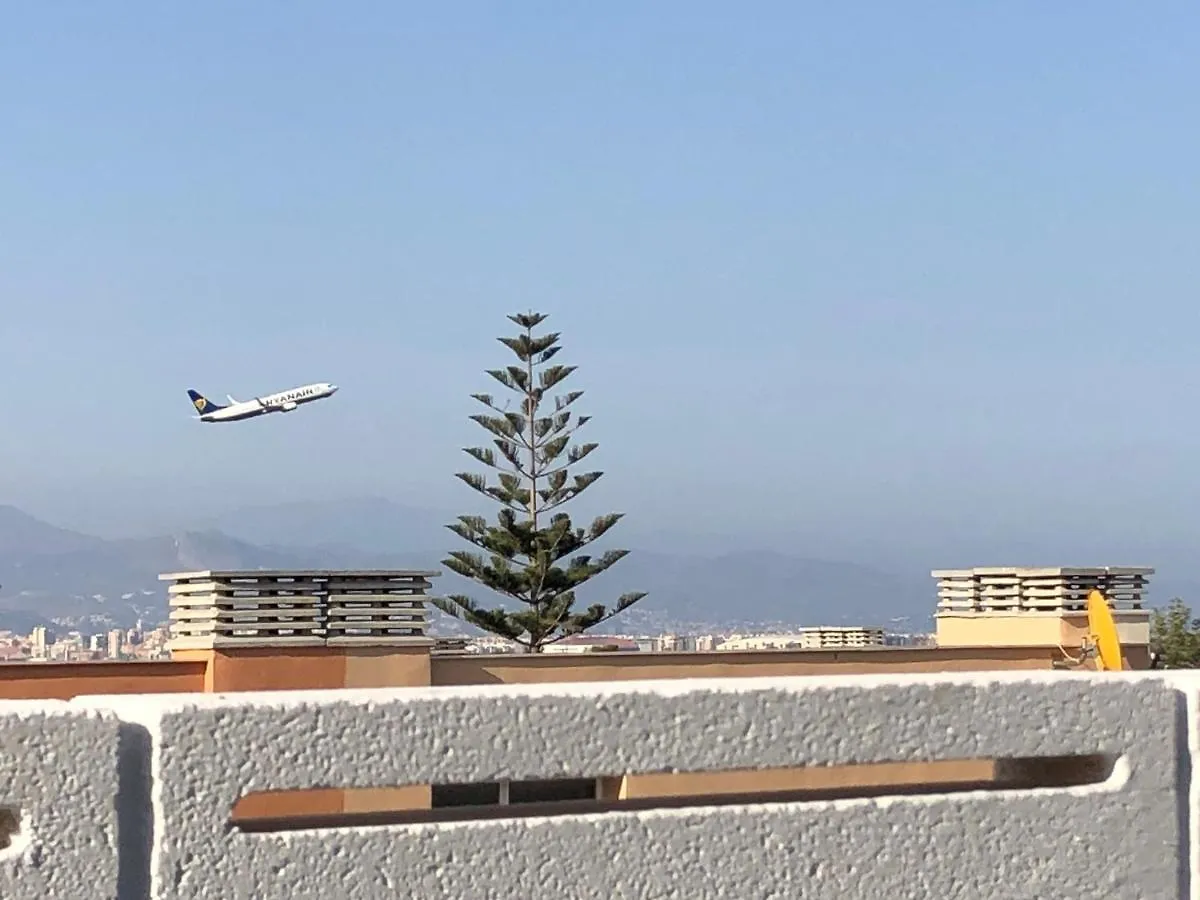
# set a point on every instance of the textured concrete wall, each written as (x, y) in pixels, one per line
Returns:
(59, 779)
(130, 796)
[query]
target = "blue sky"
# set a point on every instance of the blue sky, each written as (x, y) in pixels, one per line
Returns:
(849, 276)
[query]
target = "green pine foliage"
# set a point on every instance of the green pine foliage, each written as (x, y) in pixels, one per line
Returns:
(1175, 636)
(533, 554)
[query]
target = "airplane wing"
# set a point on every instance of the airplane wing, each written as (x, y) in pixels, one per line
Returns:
(231, 400)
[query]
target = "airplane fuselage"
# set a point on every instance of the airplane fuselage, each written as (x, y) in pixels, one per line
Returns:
(284, 401)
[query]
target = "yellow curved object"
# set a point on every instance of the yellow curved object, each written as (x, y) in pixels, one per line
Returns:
(1104, 633)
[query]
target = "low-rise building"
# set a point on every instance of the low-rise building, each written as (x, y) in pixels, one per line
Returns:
(808, 638)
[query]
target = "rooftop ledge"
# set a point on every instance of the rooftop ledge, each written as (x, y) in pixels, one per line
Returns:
(372, 666)
(822, 787)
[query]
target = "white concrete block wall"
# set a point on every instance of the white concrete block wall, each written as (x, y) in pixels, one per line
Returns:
(176, 765)
(60, 771)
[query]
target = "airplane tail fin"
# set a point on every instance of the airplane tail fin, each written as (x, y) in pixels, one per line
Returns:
(203, 404)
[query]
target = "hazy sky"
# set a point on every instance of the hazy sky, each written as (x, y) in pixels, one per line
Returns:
(904, 273)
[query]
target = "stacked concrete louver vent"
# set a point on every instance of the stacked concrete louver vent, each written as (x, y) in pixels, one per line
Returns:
(378, 608)
(212, 609)
(1049, 589)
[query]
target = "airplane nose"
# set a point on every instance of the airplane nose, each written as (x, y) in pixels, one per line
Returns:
(333, 388)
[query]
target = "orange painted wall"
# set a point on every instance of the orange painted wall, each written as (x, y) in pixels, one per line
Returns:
(63, 681)
(373, 667)
(353, 667)
(277, 669)
(311, 668)
(464, 669)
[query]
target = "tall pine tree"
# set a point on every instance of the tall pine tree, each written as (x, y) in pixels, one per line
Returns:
(533, 552)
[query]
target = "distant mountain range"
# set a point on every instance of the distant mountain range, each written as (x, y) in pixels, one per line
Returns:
(693, 589)
(51, 575)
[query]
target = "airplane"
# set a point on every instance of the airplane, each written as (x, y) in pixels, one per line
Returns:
(236, 410)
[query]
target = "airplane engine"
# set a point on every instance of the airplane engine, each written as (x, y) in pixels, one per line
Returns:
(289, 406)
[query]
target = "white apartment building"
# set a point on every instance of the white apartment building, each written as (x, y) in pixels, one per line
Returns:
(820, 637)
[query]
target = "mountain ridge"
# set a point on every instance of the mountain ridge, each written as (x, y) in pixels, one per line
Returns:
(54, 575)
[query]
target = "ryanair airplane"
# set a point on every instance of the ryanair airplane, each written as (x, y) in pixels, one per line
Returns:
(286, 401)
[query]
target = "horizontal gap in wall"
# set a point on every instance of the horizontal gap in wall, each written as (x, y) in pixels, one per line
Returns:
(282, 811)
(10, 825)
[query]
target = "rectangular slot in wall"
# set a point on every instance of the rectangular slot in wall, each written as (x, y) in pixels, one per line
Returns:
(10, 826)
(282, 811)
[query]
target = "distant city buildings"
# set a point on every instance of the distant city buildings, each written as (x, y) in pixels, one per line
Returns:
(813, 638)
(44, 645)
(188, 620)
(806, 638)
(986, 606)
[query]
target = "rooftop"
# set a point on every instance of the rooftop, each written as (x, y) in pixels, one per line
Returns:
(293, 705)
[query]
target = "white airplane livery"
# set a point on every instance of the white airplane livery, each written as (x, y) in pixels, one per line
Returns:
(236, 410)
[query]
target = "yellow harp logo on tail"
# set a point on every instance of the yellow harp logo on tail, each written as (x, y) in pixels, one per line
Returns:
(200, 403)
